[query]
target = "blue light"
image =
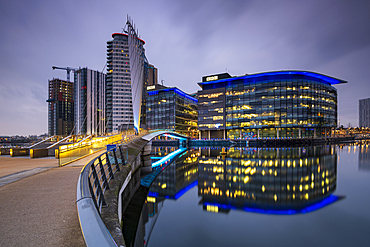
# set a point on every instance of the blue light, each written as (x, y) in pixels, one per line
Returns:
(176, 90)
(179, 194)
(186, 189)
(318, 205)
(153, 194)
(168, 157)
(325, 78)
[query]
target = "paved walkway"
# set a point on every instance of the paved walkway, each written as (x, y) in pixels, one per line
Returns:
(38, 207)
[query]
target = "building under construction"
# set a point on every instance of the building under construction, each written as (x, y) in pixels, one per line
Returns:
(60, 107)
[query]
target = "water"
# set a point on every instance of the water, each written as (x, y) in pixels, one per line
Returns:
(261, 197)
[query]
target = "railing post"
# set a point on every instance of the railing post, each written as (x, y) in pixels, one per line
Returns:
(102, 172)
(99, 190)
(109, 166)
(122, 157)
(115, 158)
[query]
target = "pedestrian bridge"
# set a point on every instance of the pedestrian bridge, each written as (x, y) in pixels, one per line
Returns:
(168, 133)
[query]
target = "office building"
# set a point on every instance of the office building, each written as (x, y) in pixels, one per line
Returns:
(89, 102)
(280, 104)
(60, 107)
(149, 83)
(172, 109)
(124, 80)
(364, 113)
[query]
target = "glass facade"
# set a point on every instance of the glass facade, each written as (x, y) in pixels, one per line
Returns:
(287, 104)
(172, 109)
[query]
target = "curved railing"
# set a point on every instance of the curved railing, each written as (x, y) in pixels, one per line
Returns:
(92, 183)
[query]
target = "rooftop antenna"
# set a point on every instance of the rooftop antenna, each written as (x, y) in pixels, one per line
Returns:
(162, 81)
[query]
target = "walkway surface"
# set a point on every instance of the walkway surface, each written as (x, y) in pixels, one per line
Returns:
(38, 202)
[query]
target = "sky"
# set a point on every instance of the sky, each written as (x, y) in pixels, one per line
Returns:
(185, 40)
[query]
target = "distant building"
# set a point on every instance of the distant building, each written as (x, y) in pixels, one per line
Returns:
(60, 107)
(152, 75)
(288, 104)
(89, 99)
(171, 108)
(150, 81)
(364, 113)
(124, 81)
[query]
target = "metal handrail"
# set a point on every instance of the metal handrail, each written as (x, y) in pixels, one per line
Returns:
(92, 183)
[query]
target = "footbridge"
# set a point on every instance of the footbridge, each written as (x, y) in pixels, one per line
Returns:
(97, 177)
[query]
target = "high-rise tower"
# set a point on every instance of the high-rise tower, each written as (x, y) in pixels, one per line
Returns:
(124, 81)
(60, 107)
(89, 99)
(364, 113)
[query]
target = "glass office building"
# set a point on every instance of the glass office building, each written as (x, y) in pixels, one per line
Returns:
(281, 104)
(172, 109)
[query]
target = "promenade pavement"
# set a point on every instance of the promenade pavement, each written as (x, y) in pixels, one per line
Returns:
(38, 206)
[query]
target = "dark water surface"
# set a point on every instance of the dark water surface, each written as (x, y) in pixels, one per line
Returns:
(313, 196)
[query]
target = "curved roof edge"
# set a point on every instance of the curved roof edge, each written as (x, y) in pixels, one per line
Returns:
(176, 90)
(123, 34)
(326, 78)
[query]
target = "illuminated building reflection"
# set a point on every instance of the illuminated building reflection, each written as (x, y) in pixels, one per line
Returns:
(364, 156)
(175, 180)
(271, 181)
(275, 181)
(171, 183)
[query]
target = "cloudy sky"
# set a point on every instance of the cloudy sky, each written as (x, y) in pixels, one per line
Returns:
(185, 40)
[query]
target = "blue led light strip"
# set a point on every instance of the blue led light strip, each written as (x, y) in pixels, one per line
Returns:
(179, 194)
(176, 90)
(328, 79)
(318, 205)
(168, 157)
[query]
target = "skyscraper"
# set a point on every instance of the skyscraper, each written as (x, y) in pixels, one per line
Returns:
(60, 107)
(89, 99)
(364, 113)
(124, 82)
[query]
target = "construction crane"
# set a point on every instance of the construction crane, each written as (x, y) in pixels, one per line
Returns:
(68, 70)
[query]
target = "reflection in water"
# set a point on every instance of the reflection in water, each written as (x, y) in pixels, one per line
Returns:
(177, 178)
(364, 157)
(171, 183)
(273, 181)
(276, 181)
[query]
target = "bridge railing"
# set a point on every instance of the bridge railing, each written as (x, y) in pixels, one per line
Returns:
(92, 183)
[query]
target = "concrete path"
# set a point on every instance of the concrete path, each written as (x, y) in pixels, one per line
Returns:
(39, 209)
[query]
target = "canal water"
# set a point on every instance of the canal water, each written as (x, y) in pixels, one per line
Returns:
(311, 196)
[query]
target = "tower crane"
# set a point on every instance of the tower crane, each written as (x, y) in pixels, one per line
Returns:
(69, 69)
